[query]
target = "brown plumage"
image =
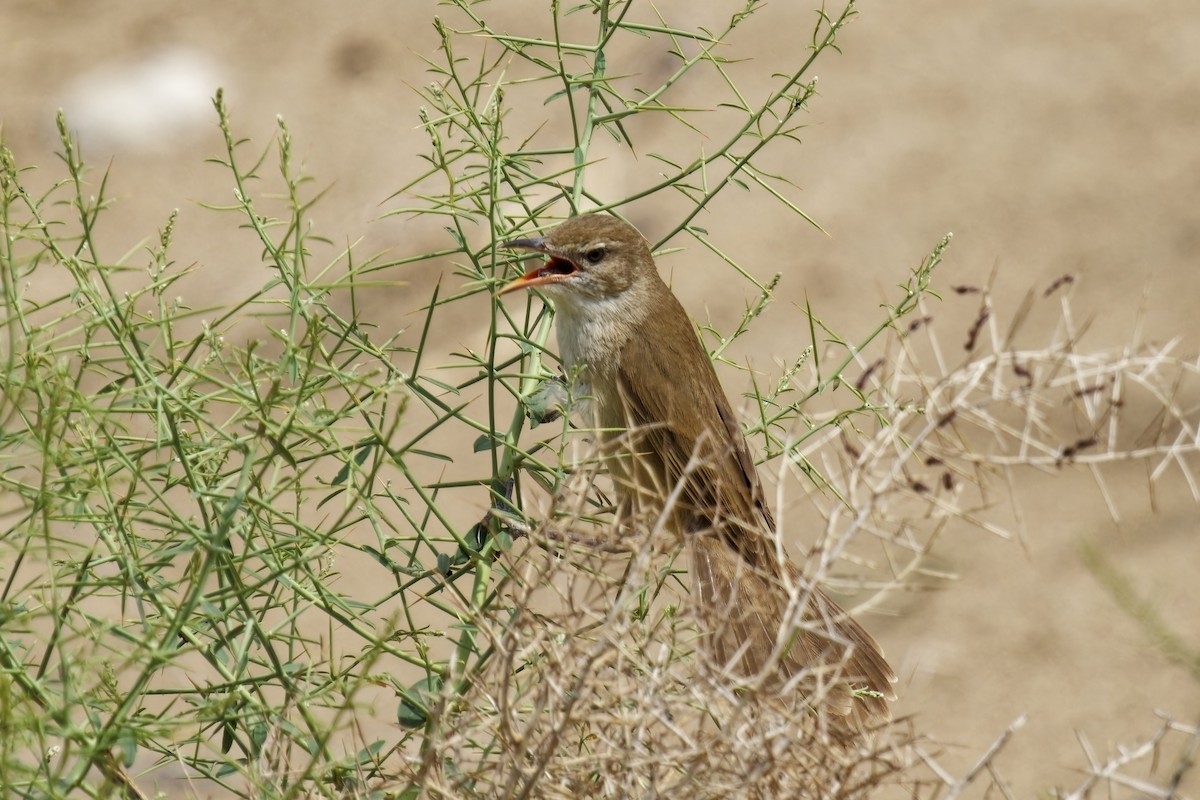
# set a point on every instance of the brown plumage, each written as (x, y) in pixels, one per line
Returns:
(680, 460)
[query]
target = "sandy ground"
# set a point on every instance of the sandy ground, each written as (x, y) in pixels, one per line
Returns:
(1051, 138)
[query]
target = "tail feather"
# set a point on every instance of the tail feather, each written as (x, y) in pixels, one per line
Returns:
(754, 628)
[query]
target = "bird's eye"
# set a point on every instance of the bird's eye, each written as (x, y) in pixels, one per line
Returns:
(595, 255)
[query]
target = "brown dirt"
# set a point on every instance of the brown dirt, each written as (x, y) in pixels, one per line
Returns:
(1050, 138)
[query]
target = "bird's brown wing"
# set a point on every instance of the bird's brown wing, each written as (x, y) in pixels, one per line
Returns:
(692, 430)
(692, 435)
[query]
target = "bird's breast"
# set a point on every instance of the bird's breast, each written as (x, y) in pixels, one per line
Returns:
(591, 336)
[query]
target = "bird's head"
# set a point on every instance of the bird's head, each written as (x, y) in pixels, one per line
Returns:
(590, 257)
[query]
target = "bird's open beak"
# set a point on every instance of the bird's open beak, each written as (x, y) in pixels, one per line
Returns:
(552, 271)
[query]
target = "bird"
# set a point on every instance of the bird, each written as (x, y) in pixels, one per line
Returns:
(680, 461)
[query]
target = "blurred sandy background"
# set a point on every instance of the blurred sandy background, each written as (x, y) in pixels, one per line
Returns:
(1051, 138)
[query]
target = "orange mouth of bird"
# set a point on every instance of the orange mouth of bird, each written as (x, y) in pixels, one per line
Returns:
(556, 268)
(553, 271)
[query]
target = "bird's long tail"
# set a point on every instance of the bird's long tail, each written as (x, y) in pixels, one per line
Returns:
(761, 623)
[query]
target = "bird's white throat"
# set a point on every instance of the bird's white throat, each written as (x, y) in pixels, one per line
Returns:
(592, 331)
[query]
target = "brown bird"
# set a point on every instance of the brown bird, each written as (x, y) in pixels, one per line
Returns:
(679, 459)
